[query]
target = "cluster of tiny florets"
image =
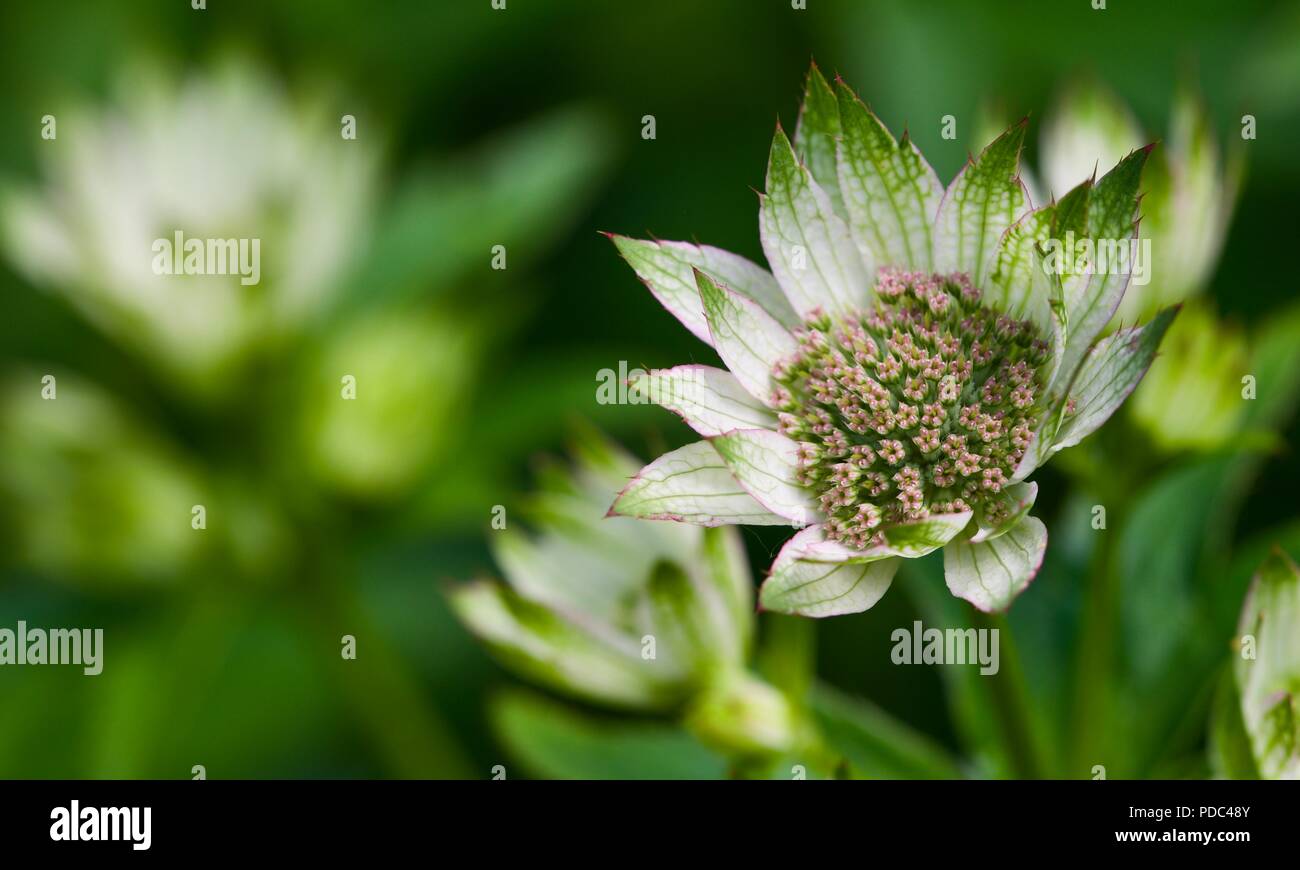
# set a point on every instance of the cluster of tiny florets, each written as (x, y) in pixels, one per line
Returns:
(920, 404)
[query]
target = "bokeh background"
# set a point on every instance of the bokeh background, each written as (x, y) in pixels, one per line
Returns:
(521, 128)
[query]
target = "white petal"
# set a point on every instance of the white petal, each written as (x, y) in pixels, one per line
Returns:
(766, 464)
(809, 248)
(666, 268)
(545, 647)
(890, 192)
(749, 340)
(1092, 297)
(1108, 375)
(983, 200)
(692, 485)
(710, 400)
(917, 538)
(990, 574)
(807, 588)
(1015, 500)
(905, 540)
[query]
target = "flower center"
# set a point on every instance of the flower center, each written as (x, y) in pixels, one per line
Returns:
(921, 404)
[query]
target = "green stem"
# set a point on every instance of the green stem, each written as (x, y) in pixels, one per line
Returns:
(788, 656)
(1095, 666)
(410, 736)
(1010, 697)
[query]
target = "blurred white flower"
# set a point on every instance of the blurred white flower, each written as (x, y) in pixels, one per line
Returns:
(223, 156)
(637, 616)
(1188, 188)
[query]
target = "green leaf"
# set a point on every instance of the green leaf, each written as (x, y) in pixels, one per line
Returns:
(808, 246)
(891, 194)
(668, 271)
(982, 202)
(710, 400)
(991, 573)
(727, 567)
(749, 340)
(766, 464)
(522, 191)
(1110, 372)
(1229, 744)
(816, 136)
(554, 741)
(693, 485)
(877, 745)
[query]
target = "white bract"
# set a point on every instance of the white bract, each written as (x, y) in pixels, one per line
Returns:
(1268, 679)
(1187, 204)
(1189, 190)
(909, 361)
(629, 615)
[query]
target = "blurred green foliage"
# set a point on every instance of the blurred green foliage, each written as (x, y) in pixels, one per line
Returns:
(522, 128)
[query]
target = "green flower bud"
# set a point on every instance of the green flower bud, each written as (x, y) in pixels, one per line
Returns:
(382, 398)
(1191, 397)
(742, 715)
(91, 495)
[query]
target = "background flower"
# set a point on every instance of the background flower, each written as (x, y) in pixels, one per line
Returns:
(1256, 731)
(226, 155)
(607, 610)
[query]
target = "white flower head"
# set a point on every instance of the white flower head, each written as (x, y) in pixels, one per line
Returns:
(907, 363)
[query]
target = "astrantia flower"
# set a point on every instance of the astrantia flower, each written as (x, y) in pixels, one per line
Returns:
(627, 615)
(1266, 671)
(906, 365)
(224, 156)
